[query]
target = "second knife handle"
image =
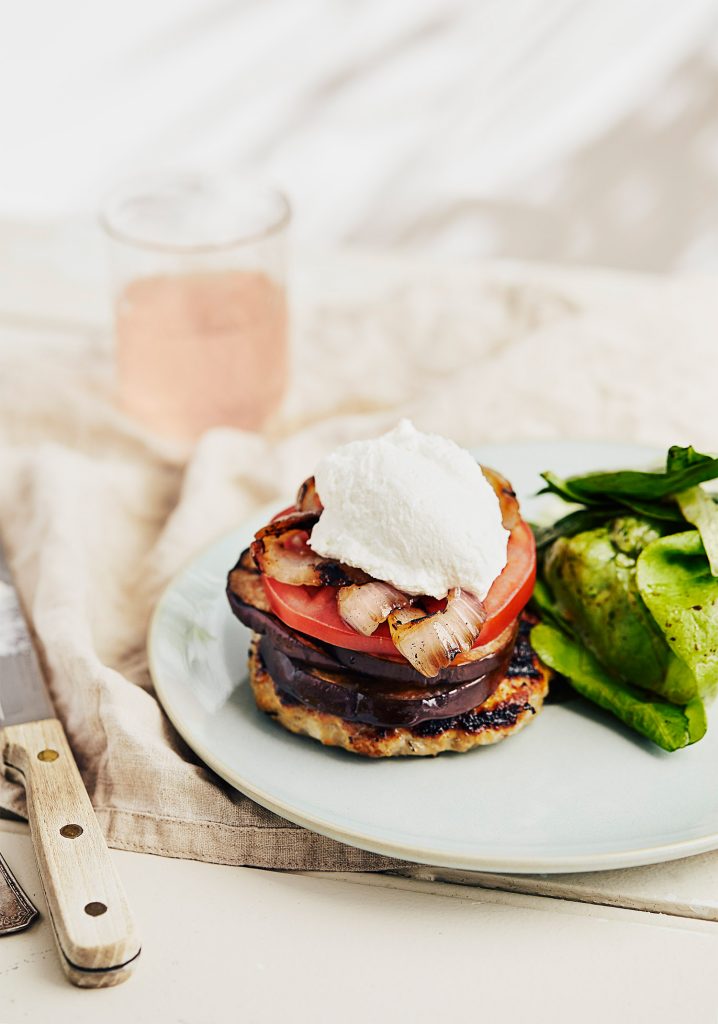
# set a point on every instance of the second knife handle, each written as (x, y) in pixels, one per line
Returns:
(90, 915)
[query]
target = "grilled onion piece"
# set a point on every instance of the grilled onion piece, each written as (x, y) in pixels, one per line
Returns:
(474, 654)
(508, 502)
(245, 581)
(431, 642)
(307, 497)
(367, 605)
(295, 520)
(280, 550)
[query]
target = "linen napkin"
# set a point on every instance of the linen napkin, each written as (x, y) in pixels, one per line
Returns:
(97, 515)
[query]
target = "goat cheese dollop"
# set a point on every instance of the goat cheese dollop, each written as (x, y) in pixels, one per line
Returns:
(412, 509)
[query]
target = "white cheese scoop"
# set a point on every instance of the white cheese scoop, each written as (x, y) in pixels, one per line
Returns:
(412, 509)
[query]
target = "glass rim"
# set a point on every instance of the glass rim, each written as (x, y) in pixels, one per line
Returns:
(140, 182)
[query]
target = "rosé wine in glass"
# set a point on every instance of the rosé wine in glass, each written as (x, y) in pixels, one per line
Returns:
(200, 303)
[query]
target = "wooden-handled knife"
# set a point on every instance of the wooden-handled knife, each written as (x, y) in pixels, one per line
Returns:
(88, 908)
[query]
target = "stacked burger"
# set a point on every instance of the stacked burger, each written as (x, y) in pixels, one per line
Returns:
(387, 602)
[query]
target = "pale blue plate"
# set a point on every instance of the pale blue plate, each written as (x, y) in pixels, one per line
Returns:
(574, 791)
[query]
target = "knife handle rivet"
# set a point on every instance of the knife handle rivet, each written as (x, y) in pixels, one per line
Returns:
(71, 831)
(95, 909)
(48, 755)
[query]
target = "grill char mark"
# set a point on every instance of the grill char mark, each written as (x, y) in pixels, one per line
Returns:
(523, 662)
(503, 716)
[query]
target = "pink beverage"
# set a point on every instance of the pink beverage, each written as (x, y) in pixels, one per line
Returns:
(202, 350)
(198, 265)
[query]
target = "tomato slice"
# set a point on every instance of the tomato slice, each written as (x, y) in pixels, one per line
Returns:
(313, 610)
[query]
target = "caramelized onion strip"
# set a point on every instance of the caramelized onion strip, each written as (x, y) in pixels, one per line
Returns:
(366, 606)
(508, 502)
(506, 637)
(307, 497)
(299, 520)
(280, 550)
(287, 558)
(432, 642)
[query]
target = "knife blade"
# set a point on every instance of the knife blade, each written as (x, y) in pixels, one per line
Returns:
(88, 909)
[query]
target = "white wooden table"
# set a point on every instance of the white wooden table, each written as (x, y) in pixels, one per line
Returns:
(239, 944)
(231, 943)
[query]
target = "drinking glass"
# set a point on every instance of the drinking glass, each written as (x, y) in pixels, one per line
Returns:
(198, 267)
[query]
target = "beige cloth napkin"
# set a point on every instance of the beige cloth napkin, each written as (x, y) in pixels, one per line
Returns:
(97, 516)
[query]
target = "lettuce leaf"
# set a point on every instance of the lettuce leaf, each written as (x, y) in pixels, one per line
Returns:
(573, 523)
(676, 584)
(544, 605)
(621, 582)
(591, 586)
(685, 467)
(668, 725)
(701, 511)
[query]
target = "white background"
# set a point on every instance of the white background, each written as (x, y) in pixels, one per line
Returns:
(570, 130)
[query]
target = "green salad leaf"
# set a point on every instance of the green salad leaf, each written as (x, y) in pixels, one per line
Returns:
(546, 608)
(570, 525)
(663, 511)
(679, 459)
(592, 579)
(563, 488)
(677, 587)
(701, 511)
(633, 595)
(685, 467)
(668, 725)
